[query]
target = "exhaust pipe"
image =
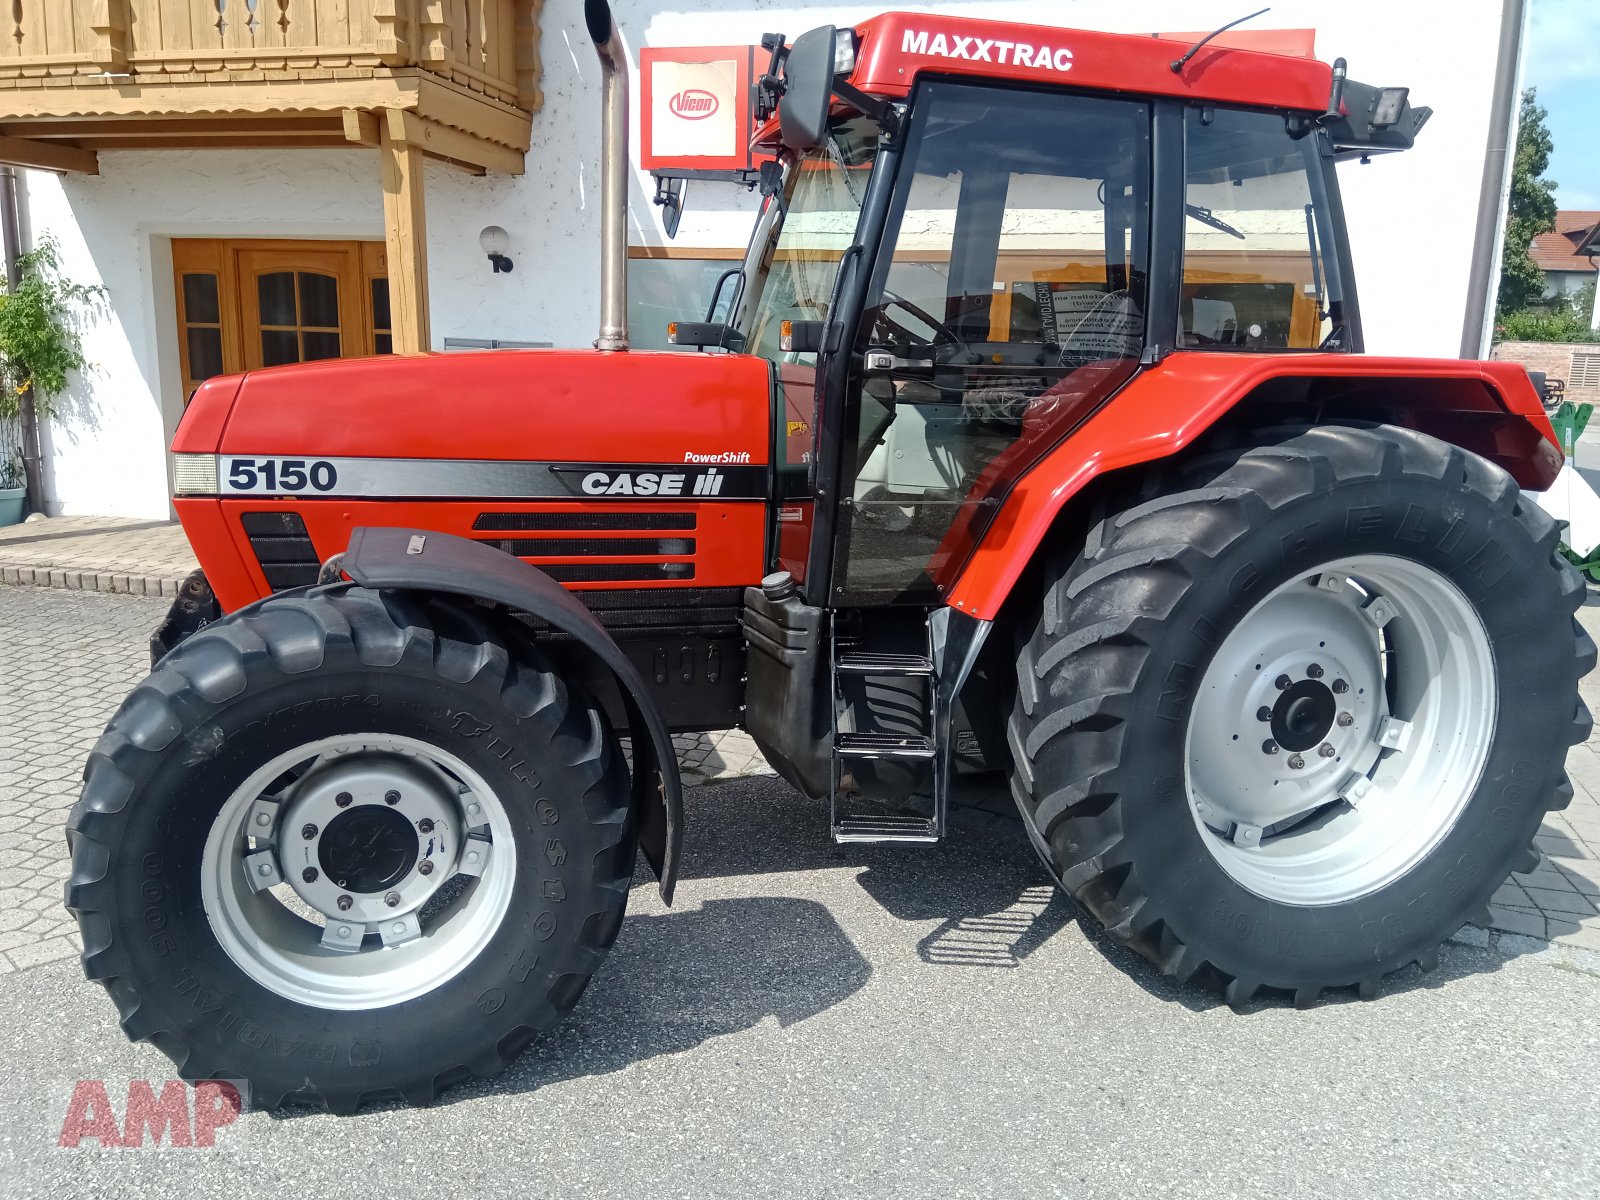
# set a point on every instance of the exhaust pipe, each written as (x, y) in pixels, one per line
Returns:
(613, 176)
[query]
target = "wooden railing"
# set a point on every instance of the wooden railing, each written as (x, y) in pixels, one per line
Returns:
(487, 46)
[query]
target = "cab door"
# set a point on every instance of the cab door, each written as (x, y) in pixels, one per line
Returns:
(1006, 301)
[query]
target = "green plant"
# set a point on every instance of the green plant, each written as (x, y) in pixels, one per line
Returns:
(39, 343)
(1531, 210)
(1561, 323)
(11, 475)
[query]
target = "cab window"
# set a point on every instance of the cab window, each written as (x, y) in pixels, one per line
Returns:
(1259, 272)
(1006, 304)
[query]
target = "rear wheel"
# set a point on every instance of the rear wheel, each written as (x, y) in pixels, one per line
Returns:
(343, 848)
(1291, 723)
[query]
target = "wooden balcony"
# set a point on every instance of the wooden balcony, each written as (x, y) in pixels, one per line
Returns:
(457, 79)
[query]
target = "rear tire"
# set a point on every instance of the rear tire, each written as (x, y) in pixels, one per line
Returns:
(470, 750)
(1148, 768)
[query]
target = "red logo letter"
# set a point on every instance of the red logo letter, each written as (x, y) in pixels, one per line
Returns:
(170, 1115)
(215, 1104)
(89, 1095)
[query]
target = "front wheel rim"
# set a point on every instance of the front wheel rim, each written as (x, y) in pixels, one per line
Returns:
(1340, 730)
(358, 871)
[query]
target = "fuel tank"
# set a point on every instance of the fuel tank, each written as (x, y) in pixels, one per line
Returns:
(609, 471)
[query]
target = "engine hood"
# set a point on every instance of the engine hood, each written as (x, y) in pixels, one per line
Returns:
(577, 406)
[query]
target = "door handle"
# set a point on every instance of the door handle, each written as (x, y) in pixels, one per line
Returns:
(884, 360)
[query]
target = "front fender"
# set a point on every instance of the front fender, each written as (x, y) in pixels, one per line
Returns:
(419, 560)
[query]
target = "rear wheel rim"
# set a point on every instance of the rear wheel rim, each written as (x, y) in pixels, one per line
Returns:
(358, 871)
(1340, 730)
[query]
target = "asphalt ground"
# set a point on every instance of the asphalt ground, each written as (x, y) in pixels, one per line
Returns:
(812, 1020)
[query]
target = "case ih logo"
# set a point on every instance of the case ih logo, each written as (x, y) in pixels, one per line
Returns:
(693, 104)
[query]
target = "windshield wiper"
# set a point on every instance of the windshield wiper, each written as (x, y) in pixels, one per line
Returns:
(837, 155)
(1206, 217)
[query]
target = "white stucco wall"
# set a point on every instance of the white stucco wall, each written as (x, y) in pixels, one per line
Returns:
(1411, 216)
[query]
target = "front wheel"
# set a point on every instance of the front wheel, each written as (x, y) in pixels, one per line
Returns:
(344, 847)
(1291, 723)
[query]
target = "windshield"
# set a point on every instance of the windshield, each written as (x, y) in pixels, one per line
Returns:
(822, 203)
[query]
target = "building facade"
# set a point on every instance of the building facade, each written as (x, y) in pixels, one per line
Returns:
(260, 182)
(1567, 253)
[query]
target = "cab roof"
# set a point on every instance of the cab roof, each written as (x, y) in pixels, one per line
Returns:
(897, 47)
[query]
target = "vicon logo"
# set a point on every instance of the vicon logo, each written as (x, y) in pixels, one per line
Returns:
(693, 104)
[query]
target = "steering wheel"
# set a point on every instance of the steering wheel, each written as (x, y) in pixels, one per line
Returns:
(943, 334)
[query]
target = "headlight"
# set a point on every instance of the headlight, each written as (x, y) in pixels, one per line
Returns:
(194, 474)
(844, 52)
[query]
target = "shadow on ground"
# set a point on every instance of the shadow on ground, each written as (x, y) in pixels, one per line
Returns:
(678, 979)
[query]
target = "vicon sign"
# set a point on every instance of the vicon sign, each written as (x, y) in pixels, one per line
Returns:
(695, 105)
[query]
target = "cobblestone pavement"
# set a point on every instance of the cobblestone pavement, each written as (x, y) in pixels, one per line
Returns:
(67, 659)
(97, 554)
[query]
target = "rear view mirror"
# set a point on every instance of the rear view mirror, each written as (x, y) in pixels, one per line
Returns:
(669, 196)
(808, 89)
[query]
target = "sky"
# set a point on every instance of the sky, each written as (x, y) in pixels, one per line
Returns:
(1563, 62)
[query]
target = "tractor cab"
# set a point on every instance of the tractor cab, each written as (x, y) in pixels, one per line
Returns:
(948, 275)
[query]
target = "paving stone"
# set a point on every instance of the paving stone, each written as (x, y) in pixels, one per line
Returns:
(50, 950)
(1581, 876)
(1561, 902)
(95, 554)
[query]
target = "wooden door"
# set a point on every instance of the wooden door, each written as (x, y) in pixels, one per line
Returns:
(244, 305)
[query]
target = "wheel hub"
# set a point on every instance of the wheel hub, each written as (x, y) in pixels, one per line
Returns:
(368, 849)
(369, 838)
(1304, 715)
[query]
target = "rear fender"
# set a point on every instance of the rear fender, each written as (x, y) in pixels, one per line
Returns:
(422, 561)
(1490, 408)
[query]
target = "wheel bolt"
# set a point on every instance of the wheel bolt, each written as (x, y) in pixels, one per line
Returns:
(1269, 747)
(1346, 720)
(1326, 749)
(1263, 713)
(344, 903)
(391, 797)
(392, 899)
(426, 866)
(1283, 681)
(1296, 762)
(1314, 671)
(308, 831)
(309, 874)
(1340, 687)
(426, 824)
(342, 799)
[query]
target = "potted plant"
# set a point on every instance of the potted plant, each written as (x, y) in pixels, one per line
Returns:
(12, 491)
(39, 350)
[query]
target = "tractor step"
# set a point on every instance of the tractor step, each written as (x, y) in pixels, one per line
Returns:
(908, 830)
(882, 745)
(874, 662)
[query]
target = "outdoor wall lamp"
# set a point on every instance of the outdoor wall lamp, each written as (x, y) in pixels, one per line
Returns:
(495, 242)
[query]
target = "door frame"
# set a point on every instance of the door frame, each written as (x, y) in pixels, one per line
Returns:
(221, 256)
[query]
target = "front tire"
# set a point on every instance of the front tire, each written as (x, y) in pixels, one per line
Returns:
(349, 846)
(1292, 722)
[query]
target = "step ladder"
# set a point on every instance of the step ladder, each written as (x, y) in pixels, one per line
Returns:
(851, 659)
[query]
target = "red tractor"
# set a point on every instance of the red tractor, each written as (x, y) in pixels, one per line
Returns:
(1033, 435)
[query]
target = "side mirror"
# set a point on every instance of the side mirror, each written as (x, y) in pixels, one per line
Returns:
(705, 335)
(800, 337)
(669, 196)
(808, 89)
